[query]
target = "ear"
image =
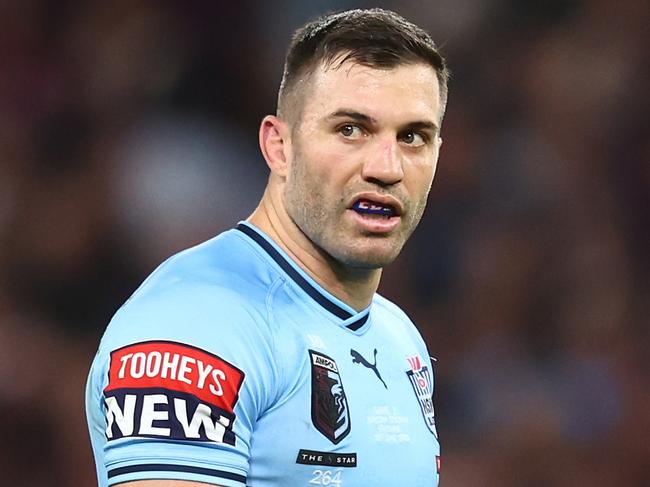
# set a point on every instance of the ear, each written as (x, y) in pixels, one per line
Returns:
(275, 143)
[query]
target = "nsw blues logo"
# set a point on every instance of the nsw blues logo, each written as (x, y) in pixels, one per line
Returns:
(422, 382)
(329, 405)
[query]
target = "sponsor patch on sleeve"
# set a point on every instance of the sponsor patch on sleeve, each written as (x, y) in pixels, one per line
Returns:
(171, 390)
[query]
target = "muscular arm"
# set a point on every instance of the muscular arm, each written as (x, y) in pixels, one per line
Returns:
(165, 483)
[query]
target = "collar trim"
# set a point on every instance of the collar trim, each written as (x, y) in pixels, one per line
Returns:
(324, 301)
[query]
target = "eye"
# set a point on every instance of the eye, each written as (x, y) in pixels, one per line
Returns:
(414, 139)
(350, 131)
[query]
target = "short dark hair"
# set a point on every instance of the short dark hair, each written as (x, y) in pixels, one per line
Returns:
(375, 38)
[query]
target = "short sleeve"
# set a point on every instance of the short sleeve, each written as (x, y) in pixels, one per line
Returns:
(177, 386)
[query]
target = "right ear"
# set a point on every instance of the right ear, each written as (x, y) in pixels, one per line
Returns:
(275, 143)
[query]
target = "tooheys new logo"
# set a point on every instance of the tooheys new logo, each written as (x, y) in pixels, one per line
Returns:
(171, 390)
(422, 383)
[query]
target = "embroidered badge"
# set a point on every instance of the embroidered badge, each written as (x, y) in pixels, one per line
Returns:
(329, 405)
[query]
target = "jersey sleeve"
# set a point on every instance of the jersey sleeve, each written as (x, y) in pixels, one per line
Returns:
(177, 386)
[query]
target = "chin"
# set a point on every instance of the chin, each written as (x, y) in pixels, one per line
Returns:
(368, 264)
(370, 257)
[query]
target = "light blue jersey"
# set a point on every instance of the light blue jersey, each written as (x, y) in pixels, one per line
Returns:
(231, 366)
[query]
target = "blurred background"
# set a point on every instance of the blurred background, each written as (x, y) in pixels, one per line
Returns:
(128, 131)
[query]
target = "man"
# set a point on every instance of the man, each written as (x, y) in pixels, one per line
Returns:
(264, 357)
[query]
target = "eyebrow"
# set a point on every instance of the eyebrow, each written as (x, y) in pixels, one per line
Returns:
(422, 125)
(362, 117)
(354, 115)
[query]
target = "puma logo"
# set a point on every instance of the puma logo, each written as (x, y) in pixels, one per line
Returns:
(358, 359)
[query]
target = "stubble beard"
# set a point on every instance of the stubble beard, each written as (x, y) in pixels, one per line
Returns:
(323, 224)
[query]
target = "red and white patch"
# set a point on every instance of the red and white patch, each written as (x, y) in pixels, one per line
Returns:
(422, 382)
(172, 390)
(415, 362)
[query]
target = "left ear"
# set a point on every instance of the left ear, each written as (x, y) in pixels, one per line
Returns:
(275, 144)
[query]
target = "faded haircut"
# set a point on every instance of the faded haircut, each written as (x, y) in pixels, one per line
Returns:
(375, 38)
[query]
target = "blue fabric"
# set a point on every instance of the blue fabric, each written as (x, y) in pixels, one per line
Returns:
(231, 366)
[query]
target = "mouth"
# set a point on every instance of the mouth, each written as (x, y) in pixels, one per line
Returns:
(376, 214)
(375, 208)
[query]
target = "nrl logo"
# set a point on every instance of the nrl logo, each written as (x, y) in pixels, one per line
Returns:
(422, 383)
(329, 405)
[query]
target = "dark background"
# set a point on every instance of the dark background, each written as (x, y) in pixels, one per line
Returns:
(128, 131)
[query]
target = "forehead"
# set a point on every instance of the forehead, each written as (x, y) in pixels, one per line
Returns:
(405, 93)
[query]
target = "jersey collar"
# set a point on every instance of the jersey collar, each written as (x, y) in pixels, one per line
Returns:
(352, 319)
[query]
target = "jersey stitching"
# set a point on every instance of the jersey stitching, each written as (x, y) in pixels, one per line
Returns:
(270, 317)
(262, 256)
(257, 250)
(317, 295)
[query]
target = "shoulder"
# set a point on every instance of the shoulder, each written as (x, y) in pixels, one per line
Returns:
(226, 264)
(205, 306)
(224, 272)
(396, 319)
(391, 310)
(205, 295)
(193, 344)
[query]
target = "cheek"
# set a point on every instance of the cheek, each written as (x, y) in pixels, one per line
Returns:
(421, 177)
(329, 170)
(306, 185)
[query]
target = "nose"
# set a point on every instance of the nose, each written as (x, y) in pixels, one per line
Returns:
(384, 165)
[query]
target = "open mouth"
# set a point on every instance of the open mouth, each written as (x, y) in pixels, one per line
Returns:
(374, 208)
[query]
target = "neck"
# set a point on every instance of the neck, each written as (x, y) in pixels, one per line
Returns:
(353, 286)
